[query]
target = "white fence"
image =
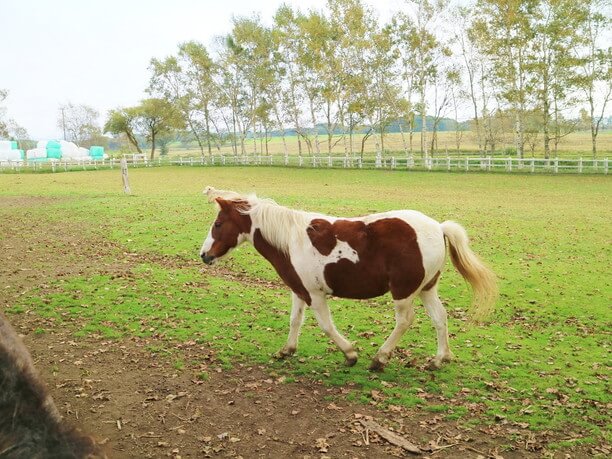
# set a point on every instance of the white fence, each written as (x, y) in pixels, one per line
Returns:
(457, 164)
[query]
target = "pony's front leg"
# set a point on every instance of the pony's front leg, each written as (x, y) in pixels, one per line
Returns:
(404, 316)
(295, 324)
(321, 311)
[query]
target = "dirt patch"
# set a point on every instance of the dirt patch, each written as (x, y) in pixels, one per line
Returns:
(131, 396)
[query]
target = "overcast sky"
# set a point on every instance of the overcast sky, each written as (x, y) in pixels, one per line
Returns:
(97, 52)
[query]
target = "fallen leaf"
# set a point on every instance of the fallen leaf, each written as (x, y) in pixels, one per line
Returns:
(322, 445)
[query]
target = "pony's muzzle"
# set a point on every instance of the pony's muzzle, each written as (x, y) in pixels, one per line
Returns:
(208, 259)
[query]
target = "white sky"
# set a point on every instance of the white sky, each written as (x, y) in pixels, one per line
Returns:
(97, 52)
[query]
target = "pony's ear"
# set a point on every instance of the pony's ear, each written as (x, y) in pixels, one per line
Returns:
(223, 204)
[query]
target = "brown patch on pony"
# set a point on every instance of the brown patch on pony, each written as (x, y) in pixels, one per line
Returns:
(389, 257)
(321, 236)
(282, 265)
(432, 282)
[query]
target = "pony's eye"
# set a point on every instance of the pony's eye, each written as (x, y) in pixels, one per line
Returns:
(217, 224)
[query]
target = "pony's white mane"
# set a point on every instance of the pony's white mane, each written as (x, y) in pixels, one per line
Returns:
(279, 225)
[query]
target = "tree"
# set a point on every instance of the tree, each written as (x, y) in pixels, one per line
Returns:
(157, 117)
(504, 31)
(79, 123)
(3, 124)
(9, 128)
(286, 36)
(423, 46)
(472, 62)
(124, 121)
(251, 46)
(361, 55)
(557, 36)
(200, 70)
(596, 78)
(187, 81)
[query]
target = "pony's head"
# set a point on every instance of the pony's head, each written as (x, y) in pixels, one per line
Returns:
(230, 228)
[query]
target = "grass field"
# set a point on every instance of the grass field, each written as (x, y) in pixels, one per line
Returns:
(576, 144)
(541, 364)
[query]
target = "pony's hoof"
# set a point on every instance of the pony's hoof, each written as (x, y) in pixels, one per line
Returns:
(377, 366)
(283, 353)
(349, 362)
(437, 362)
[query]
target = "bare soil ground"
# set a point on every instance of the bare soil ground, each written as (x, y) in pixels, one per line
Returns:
(134, 401)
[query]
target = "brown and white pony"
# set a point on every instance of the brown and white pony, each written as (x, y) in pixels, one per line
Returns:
(400, 251)
(30, 424)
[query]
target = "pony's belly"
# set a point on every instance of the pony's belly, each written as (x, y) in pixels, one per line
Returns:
(349, 280)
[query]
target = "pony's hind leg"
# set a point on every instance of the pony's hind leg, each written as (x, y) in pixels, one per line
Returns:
(404, 316)
(295, 324)
(321, 311)
(437, 313)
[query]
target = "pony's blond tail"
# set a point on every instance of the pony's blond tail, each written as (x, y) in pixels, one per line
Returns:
(473, 270)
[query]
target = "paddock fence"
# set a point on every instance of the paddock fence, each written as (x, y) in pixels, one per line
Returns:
(450, 164)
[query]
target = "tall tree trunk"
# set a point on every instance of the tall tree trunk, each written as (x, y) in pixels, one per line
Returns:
(314, 125)
(546, 102)
(423, 124)
(195, 134)
(152, 145)
(133, 141)
(282, 129)
(235, 132)
(207, 124)
(404, 145)
(295, 110)
(593, 130)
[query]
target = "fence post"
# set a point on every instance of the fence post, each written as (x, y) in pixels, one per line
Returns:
(532, 165)
(301, 161)
(467, 163)
(580, 165)
(556, 163)
(448, 167)
(124, 176)
(393, 162)
(359, 163)
(605, 161)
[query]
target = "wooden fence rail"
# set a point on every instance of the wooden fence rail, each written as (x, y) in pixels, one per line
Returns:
(457, 164)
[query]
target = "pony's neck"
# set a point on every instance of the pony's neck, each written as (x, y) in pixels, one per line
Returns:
(279, 226)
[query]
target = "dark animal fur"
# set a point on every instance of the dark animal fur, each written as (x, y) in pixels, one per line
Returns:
(30, 425)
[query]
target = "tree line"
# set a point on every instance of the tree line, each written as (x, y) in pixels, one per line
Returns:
(533, 69)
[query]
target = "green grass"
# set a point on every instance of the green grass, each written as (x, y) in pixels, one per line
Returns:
(542, 361)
